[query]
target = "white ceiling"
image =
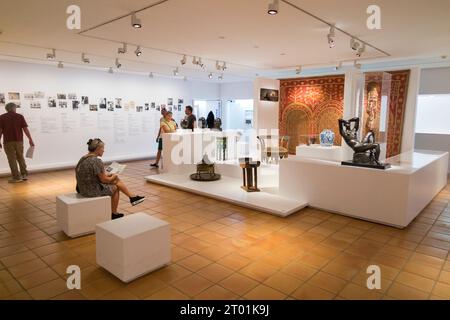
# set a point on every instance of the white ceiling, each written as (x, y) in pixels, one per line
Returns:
(239, 32)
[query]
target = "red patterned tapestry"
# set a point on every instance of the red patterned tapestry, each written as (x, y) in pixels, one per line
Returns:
(309, 105)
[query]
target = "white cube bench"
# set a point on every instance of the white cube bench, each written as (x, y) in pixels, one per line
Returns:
(133, 246)
(77, 215)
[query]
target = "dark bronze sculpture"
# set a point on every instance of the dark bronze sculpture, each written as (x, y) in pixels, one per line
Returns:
(205, 171)
(366, 152)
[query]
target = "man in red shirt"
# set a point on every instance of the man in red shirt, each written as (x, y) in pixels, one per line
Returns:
(12, 127)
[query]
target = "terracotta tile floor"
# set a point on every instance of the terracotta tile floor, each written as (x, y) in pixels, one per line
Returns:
(220, 251)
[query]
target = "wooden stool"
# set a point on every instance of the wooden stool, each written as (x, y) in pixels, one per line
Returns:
(249, 174)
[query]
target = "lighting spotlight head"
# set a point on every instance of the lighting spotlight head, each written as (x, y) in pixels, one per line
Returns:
(51, 56)
(176, 72)
(200, 63)
(60, 65)
(224, 66)
(138, 51)
(273, 8)
(218, 66)
(221, 77)
(118, 64)
(183, 60)
(298, 70)
(122, 50)
(135, 21)
(331, 42)
(354, 44)
(210, 75)
(361, 50)
(84, 59)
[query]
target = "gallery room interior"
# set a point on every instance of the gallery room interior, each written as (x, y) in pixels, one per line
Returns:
(224, 150)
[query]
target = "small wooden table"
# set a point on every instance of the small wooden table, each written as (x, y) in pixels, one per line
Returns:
(249, 174)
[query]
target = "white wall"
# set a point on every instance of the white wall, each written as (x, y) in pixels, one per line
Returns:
(236, 90)
(265, 112)
(128, 135)
(434, 81)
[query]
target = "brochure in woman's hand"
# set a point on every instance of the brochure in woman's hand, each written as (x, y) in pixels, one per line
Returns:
(116, 168)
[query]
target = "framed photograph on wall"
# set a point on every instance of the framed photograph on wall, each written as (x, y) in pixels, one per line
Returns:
(269, 95)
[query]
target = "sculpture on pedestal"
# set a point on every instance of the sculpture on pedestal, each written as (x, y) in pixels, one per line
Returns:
(366, 152)
(205, 171)
(202, 123)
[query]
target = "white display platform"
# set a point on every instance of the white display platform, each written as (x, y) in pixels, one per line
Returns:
(228, 189)
(394, 196)
(316, 151)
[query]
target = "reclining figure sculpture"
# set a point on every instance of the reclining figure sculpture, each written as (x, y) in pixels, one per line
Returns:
(365, 151)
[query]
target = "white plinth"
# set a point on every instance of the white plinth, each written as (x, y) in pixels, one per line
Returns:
(394, 196)
(316, 151)
(133, 246)
(78, 216)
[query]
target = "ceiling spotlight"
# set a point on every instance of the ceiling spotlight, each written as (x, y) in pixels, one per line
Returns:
(110, 70)
(298, 70)
(200, 63)
(330, 37)
(122, 50)
(184, 60)
(135, 21)
(221, 77)
(361, 50)
(195, 61)
(354, 44)
(210, 75)
(338, 67)
(176, 72)
(60, 65)
(84, 59)
(138, 51)
(224, 66)
(150, 75)
(273, 8)
(118, 64)
(356, 65)
(218, 66)
(51, 56)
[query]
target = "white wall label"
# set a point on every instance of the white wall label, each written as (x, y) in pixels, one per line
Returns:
(74, 20)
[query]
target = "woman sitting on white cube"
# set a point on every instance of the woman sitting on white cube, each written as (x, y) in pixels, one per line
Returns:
(93, 181)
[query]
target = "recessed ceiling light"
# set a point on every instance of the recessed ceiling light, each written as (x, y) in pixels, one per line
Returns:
(135, 21)
(273, 8)
(138, 51)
